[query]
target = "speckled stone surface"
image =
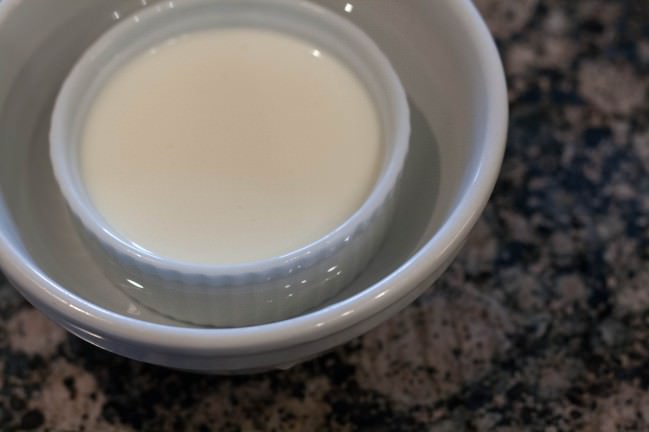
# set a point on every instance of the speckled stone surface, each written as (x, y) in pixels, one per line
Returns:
(542, 324)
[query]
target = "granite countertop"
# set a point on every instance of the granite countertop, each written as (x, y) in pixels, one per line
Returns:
(541, 324)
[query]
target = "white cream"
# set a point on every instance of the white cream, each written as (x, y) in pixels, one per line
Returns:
(230, 146)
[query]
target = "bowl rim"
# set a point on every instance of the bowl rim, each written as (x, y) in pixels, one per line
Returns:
(57, 302)
(91, 219)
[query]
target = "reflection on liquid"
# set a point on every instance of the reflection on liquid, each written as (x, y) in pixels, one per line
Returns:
(349, 7)
(133, 309)
(135, 284)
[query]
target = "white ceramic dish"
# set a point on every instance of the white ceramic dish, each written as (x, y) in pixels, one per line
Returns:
(449, 66)
(246, 293)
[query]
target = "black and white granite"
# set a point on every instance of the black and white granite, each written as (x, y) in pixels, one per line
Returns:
(542, 324)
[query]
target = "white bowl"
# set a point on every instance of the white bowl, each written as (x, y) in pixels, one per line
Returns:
(254, 292)
(449, 66)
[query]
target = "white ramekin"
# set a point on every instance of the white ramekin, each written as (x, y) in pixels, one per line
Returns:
(248, 293)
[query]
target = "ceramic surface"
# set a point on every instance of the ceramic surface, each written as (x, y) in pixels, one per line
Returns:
(248, 293)
(451, 70)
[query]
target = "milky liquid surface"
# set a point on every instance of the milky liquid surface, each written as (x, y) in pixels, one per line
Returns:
(230, 146)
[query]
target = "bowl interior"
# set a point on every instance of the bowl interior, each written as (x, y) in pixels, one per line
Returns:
(40, 44)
